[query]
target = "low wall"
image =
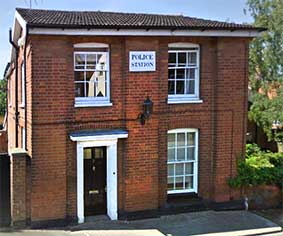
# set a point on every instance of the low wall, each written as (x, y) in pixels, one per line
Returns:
(263, 197)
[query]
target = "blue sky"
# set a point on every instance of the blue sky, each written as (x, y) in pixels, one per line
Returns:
(224, 10)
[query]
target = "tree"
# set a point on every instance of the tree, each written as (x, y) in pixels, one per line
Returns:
(266, 68)
(3, 83)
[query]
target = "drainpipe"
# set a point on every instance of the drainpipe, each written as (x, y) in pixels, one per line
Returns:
(25, 84)
(16, 88)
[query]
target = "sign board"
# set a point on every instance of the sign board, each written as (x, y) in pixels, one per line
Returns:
(142, 61)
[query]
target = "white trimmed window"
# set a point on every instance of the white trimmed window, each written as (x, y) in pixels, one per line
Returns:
(183, 73)
(23, 138)
(23, 84)
(182, 162)
(92, 80)
(10, 91)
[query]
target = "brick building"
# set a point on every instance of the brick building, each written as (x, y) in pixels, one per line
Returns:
(121, 114)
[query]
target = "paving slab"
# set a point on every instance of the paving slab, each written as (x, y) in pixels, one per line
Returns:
(207, 223)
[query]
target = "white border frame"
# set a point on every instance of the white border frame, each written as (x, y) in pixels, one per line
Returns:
(94, 101)
(186, 98)
(195, 175)
(110, 141)
(23, 95)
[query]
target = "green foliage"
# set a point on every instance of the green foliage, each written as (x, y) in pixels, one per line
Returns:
(259, 168)
(3, 83)
(264, 111)
(266, 65)
(266, 52)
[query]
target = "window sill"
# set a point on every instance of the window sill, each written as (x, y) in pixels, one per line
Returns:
(185, 191)
(101, 104)
(183, 100)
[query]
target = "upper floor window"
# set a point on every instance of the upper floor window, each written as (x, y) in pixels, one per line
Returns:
(10, 91)
(23, 84)
(183, 73)
(92, 82)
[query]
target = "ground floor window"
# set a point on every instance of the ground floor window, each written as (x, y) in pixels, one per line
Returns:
(182, 160)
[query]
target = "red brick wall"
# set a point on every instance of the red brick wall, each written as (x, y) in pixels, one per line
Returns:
(142, 158)
(19, 211)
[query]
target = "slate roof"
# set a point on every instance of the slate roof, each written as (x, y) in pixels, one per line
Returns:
(116, 20)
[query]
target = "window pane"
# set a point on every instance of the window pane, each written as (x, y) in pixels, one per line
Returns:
(87, 153)
(181, 139)
(170, 183)
(191, 153)
(189, 168)
(170, 170)
(79, 76)
(179, 183)
(180, 87)
(171, 154)
(181, 154)
(97, 84)
(181, 59)
(190, 89)
(171, 74)
(171, 140)
(101, 90)
(179, 169)
(79, 89)
(90, 89)
(79, 61)
(192, 58)
(188, 182)
(172, 58)
(171, 87)
(91, 61)
(191, 73)
(180, 74)
(91, 76)
(191, 139)
(101, 62)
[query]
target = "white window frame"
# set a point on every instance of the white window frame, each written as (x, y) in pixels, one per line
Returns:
(94, 101)
(195, 161)
(23, 85)
(23, 138)
(10, 92)
(186, 98)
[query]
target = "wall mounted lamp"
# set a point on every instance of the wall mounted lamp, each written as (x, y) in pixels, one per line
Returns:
(147, 110)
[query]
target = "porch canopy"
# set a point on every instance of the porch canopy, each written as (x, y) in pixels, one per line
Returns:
(98, 134)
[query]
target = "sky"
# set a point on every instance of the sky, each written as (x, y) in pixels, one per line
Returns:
(223, 10)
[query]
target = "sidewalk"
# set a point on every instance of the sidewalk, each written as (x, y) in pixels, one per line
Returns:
(212, 223)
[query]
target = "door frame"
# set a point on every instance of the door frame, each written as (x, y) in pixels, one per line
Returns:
(110, 141)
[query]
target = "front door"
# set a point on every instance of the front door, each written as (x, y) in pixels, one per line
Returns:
(95, 181)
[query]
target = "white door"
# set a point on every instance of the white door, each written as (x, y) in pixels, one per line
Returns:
(112, 199)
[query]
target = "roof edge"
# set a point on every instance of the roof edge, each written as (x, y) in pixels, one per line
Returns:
(249, 33)
(65, 26)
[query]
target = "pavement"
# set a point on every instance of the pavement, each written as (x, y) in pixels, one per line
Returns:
(206, 223)
(275, 215)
